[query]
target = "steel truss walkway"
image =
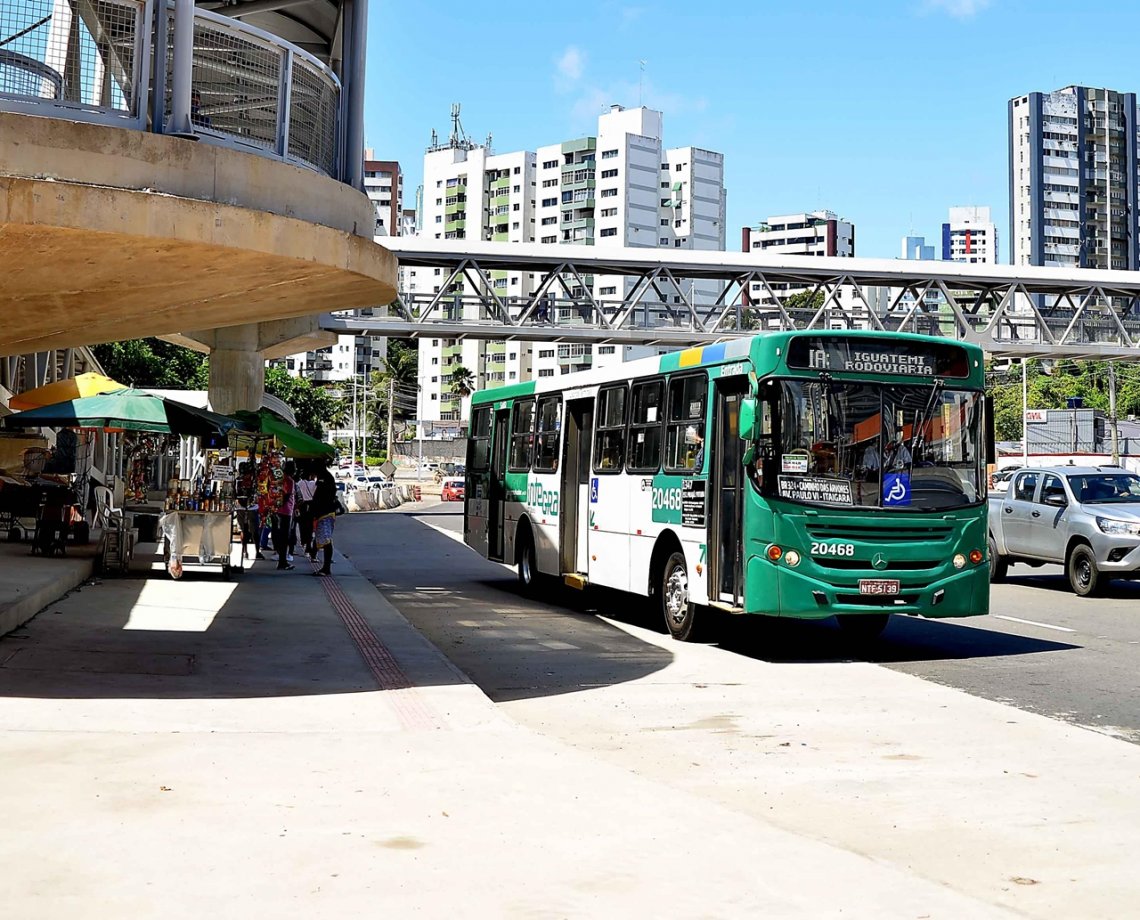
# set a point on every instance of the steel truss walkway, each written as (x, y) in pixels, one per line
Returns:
(1011, 311)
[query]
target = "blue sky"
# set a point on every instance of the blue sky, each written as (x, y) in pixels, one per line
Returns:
(887, 112)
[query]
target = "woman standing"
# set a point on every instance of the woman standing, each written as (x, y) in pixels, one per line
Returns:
(324, 509)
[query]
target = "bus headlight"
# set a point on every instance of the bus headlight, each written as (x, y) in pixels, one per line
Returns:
(959, 561)
(792, 558)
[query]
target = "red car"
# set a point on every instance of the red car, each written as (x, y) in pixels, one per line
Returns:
(452, 490)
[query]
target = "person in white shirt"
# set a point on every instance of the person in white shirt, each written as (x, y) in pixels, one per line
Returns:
(306, 487)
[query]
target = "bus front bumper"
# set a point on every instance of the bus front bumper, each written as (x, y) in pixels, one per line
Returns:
(796, 594)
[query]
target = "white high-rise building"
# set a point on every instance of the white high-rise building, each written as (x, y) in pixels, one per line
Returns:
(809, 233)
(970, 236)
(1073, 179)
(618, 188)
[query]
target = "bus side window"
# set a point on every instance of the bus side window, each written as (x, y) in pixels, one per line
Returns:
(643, 448)
(685, 428)
(609, 434)
(479, 447)
(549, 424)
(522, 436)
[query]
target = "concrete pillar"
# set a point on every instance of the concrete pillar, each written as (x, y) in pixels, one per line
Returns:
(237, 369)
(355, 64)
(183, 69)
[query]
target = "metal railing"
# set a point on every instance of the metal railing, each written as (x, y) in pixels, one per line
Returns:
(86, 60)
(91, 60)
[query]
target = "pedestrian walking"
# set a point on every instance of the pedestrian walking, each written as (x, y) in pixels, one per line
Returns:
(325, 509)
(281, 501)
(303, 512)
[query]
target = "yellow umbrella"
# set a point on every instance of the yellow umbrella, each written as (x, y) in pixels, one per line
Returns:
(64, 391)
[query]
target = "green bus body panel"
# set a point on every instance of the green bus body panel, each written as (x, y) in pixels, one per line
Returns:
(918, 548)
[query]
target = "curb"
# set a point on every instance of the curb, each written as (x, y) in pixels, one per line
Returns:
(17, 613)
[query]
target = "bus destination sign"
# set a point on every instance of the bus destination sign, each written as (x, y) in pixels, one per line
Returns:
(819, 491)
(878, 360)
(871, 356)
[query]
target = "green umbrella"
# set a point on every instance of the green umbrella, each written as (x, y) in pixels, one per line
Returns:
(294, 440)
(126, 410)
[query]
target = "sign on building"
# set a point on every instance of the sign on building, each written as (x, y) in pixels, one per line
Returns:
(1036, 415)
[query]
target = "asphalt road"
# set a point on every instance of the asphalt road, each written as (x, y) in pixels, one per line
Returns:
(1042, 649)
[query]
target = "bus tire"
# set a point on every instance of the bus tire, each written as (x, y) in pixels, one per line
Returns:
(863, 627)
(527, 560)
(999, 565)
(673, 592)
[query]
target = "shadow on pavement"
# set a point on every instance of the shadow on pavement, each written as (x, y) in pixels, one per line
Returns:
(260, 634)
(510, 645)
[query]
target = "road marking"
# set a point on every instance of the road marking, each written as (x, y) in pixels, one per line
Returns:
(1034, 623)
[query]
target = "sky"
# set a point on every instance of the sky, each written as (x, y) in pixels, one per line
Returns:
(887, 112)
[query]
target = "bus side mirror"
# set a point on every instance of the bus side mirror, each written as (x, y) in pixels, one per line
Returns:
(748, 418)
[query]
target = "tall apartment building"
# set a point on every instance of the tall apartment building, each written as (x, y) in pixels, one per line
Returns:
(384, 186)
(970, 235)
(1073, 179)
(617, 188)
(811, 233)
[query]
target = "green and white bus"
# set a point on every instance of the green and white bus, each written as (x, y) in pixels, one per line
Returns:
(791, 474)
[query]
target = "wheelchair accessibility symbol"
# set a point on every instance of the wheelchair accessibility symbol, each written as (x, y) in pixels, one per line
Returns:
(896, 489)
(594, 490)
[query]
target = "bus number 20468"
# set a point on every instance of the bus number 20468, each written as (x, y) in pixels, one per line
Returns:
(833, 549)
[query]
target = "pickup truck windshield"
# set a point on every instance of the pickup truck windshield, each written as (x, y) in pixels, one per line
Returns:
(906, 448)
(1105, 488)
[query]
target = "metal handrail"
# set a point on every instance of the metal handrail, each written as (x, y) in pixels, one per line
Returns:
(250, 90)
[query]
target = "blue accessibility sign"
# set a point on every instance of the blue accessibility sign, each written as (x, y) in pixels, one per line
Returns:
(594, 491)
(896, 489)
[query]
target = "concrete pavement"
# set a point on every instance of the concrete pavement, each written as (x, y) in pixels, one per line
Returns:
(288, 746)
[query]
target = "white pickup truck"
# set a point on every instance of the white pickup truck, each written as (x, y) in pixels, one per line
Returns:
(1084, 518)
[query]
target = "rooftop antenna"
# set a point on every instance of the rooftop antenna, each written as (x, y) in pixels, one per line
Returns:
(641, 84)
(489, 143)
(458, 137)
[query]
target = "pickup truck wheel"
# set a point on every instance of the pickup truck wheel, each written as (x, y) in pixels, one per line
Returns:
(1084, 576)
(999, 565)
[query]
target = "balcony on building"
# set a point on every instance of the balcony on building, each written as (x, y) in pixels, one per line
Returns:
(183, 167)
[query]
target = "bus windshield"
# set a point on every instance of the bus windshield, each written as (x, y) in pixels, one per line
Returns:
(890, 446)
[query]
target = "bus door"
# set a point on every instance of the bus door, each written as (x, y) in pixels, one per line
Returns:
(726, 483)
(574, 527)
(497, 490)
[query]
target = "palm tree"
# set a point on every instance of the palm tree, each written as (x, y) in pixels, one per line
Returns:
(462, 382)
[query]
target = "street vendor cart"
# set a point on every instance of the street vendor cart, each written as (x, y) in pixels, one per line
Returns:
(196, 538)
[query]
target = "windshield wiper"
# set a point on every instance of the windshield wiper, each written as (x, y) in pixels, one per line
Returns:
(920, 421)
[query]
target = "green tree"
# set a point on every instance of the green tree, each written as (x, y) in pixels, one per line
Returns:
(462, 382)
(312, 405)
(801, 301)
(154, 363)
(400, 380)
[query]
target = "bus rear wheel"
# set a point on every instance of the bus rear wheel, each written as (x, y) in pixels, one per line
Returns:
(528, 562)
(863, 627)
(673, 591)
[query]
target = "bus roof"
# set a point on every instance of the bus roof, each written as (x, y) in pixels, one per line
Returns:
(767, 351)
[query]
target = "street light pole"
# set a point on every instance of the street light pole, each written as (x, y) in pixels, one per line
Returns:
(364, 422)
(1024, 412)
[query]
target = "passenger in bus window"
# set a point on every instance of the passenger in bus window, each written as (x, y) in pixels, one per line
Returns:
(695, 438)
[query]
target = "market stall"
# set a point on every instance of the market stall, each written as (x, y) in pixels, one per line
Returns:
(147, 424)
(198, 523)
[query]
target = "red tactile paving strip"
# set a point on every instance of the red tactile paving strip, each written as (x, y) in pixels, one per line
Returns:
(412, 710)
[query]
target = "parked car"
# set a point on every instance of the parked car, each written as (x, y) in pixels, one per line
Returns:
(428, 466)
(376, 481)
(453, 489)
(1085, 518)
(1001, 478)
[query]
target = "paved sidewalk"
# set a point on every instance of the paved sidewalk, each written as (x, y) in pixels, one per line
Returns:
(28, 583)
(287, 746)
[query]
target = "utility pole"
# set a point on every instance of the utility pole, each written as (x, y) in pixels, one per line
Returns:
(354, 422)
(391, 400)
(364, 422)
(1112, 413)
(1024, 423)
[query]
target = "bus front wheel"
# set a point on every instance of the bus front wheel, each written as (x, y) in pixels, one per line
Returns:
(679, 611)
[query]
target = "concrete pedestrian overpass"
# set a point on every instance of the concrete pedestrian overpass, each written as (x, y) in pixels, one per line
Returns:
(171, 168)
